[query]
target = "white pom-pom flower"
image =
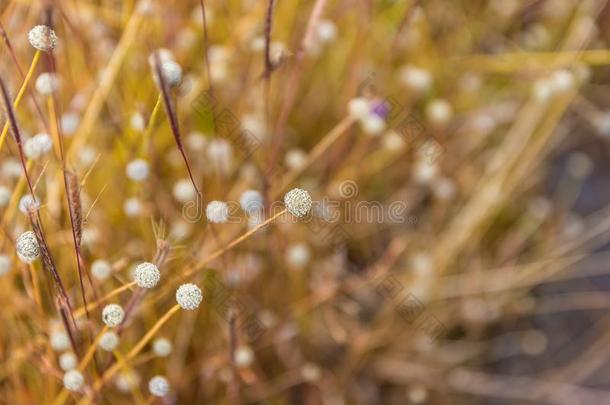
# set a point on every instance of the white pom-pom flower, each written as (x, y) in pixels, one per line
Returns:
(101, 269)
(298, 202)
(28, 249)
(295, 159)
(42, 38)
(217, 212)
(243, 356)
(162, 347)
(251, 202)
(184, 191)
(137, 170)
(37, 146)
(5, 196)
(47, 83)
(68, 361)
(326, 31)
(28, 203)
(69, 123)
(359, 107)
(172, 73)
(73, 380)
(415, 78)
(147, 275)
(189, 296)
(132, 207)
(109, 341)
(298, 255)
(439, 112)
(113, 315)
(59, 340)
(5, 264)
(137, 122)
(372, 124)
(158, 386)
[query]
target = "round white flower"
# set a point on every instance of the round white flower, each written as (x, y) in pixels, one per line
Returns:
(184, 191)
(28, 249)
(109, 341)
(326, 31)
(172, 73)
(415, 78)
(5, 264)
(298, 255)
(243, 356)
(439, 111)
(359, 107)
(59, 340)
(42, 38)
(113, 315)
(137, 122)
(298, 202)
(137, 170)
(295, 159)
(37, 146)
(372, 124)
(5, 196)
(220, 154)
(68, 361)
(27, 203)
(69, 123)
(47, 83)
(189, 296)
(147, 275)
(251, 202)
(162, 347)
(132, 207)
(73, 380)
(101, 269)
(127, 380)
(217, 212)
(158, 386)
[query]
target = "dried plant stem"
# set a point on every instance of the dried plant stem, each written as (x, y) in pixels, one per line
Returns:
(151, 122)
(20, 94)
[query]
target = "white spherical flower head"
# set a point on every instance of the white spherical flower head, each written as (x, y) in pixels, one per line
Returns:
(439, 111)
(127, 380)
(217, 212)
(5, 264)
(69, 123)
(359, 107)
(113, 315)
(415, 78)
(47, 83)
(59, 340)
(28, 249)
(37, 146)
(5, 196)
(251, 202)
(68, 361)
(109, 341)
(373, 124)
(42, 38)
(184, 191)
(162, 347)
(73, 380)
(137, 170)
(189, 296)
(158, 386)
(147, 275)
(326, 31)
(243, 356)
(132, 207)
(27, 203)
(101, 269)
(298, 202)
(295, 159)
(298, 255)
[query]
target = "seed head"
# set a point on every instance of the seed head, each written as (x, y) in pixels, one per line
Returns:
(298, 255)
(109, 341)
(172, 73)
(27, 203)
(162, 347)
(158, 386)
(137, 170)
(132, 207)
(189, 296)
(67, 361)
(251, 202)
(217, 212)
(146, 275)
(27, 247)
(359, 107)
(113, 315)
(59, 340)
(5, 264)
(298, 202)
(47, 83)
(73, 380)
(37, 146)
(101, 269)
(42, 38)
(184, 191)
(243, 356)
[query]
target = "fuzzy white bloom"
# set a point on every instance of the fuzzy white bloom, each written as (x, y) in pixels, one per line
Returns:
(326, 31)
(298, 255)
(217, 212)
(172, 73)
(42, 38)
(393, 141)
(439, 111)
(37, 146)
(298, 202)
(68, 361)
(73, 380)
(5, 196)
(101, 269)
(28, 249)
(137, 123)
(220, 154)
(126, 380)
(11, 168)
(27, 203)
(158, 386)
(5, 264)
(424, 172)
(251, 202)
(254, 125)
(310, 372)
(132, 207)
(164, 56)
(137, 170)
(562, 81)
(444, 189)
(162, 347)
(189, 296)
(69, 123)
(243, 356)
(87, 155)
(147, 275)
(372, 124)
(109, 341)
(113, 315)
(415, 78)
(359, 107)
(196, 141)
(184, 191)
(295, 159)
(47, 83)
(59, 340)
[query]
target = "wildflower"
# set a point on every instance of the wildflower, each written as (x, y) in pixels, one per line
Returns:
(42, 38)
(67, 361)
(393, 141)
(59, 340)
(184, 191)
(217, 212)
(439, 112)
(298, 255)
(189, 296)
(5, 264)
(28, 249)
(113, 315)
(372, 124)
(37, 146)
(11, 168)
(220, 154)
(5, 196)
(73, 380)
(162, 347)
(251, 202)
(109, 341)
(132, 207)
(47, 83)
(126, 380)
(158, 386)
(424, 172)
(101, 269)
(172, 73)
(415, 78)
(359, 107)
(326, 31)
(137, 170)
(243, 356)
(69, 123)
(147, 275)
(28, 203)
(295, 159)
(196, 141)
(298, 202)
